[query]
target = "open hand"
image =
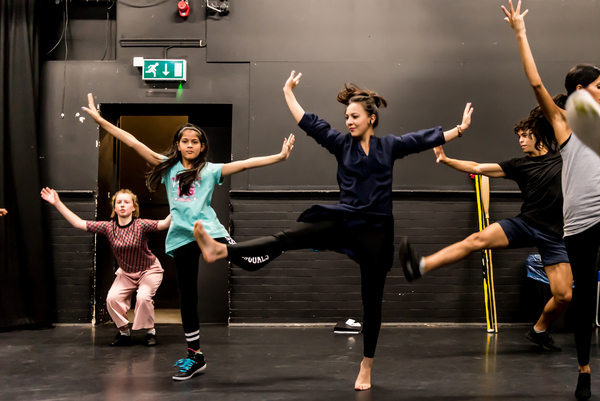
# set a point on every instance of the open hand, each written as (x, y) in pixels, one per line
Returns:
(286, 149)
(466, 119)
(292, 81)
(50, 195)
(514, 17)
(440, 156)
(3, 211)
(91, 109)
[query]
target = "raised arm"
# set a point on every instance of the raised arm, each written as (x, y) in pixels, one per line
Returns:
(147, 154)
(464, 125)
(552, 112)
(288, 91)
(489, 169)
(164, 224)
(253, 162)
(52, 198)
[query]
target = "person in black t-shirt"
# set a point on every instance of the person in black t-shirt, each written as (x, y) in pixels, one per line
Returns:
(539, 224)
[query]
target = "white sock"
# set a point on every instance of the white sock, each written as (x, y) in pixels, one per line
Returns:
(125, 333)
(538, 331)
(422, 266)
(153, 332)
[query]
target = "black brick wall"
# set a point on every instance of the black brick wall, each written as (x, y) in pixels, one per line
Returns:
(73, 260)
(306, 286)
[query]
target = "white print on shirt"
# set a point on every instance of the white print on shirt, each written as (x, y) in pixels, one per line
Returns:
(191, 196)
(256, 259)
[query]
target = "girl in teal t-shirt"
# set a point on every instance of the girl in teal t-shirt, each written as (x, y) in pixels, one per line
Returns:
(190, 180)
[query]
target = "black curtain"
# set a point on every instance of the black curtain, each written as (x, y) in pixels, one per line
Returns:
(26, 274)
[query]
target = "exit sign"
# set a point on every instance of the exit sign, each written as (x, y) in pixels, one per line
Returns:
(164, 70)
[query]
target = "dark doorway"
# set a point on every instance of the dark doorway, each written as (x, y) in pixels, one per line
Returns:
(121, 167)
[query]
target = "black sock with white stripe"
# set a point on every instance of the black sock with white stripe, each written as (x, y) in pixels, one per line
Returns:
(193, 340)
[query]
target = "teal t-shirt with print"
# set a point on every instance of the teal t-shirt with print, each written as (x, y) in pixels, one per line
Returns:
(187, 209)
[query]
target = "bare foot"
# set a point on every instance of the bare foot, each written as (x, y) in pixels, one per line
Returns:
(363, 381)
(211, 249)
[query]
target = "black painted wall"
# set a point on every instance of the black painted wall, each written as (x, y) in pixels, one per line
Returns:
(427, 57)
(306, 286)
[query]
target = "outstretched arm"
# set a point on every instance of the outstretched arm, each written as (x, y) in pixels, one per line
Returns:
(288, 91)
(464, 125)
(164, 224)
(425, 139)
(147, 154)
(51, 197)
(489, 169)
(552, 112)
(253, 162)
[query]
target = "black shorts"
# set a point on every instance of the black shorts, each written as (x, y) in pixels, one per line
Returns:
(521, 235)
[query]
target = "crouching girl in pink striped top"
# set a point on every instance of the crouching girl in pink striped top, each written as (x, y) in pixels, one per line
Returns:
(138, 268)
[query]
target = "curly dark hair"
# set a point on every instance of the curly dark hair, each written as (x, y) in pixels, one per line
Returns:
(539, 127)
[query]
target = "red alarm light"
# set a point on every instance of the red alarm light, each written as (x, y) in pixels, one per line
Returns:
(184, 8)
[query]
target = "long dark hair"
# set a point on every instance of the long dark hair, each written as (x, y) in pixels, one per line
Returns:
(539, 127)
(370, 100)
(581, 74)
(186, 177)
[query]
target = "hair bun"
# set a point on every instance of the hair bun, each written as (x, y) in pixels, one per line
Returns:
(352, 93)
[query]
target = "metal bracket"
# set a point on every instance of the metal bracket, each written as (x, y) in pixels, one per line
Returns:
(221, 7)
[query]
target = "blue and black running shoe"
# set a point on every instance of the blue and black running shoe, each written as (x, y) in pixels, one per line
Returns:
(188, 367)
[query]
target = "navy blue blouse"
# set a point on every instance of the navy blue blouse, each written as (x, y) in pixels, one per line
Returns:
(365, 181)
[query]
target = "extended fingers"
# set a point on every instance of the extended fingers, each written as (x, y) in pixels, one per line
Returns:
(518, 10)
(468, 114)
(467, 108)
(91, 101)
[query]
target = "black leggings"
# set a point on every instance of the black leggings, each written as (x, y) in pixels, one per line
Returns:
(187, 258)
(583, 253)
(371, 247)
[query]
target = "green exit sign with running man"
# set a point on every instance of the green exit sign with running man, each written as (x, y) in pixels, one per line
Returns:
(164, 70)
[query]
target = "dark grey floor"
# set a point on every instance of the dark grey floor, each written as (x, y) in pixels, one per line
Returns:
(424, 363)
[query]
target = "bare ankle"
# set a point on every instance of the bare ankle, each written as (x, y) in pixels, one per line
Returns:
(585, 369)
(222, 251)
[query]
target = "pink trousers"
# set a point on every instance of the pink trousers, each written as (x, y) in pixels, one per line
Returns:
(118, 300)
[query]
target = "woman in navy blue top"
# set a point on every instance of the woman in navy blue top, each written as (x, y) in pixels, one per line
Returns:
(361, 224)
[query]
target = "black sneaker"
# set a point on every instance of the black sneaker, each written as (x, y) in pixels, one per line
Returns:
(150, 340)
(544, 340)
(121, 341)
(409, 260)
(188, 367)
(583, 390)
